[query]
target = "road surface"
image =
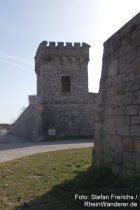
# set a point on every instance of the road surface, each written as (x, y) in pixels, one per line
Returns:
(12, 147)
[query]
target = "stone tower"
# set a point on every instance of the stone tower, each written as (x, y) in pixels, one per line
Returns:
(62, 89)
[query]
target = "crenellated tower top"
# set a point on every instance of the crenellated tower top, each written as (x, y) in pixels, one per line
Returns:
(60, 52)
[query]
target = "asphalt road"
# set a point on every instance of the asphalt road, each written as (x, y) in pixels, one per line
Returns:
(12, 147)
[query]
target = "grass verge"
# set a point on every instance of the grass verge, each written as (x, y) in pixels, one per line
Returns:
(50, 181)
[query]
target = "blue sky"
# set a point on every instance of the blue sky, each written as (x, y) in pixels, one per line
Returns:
(26, 23)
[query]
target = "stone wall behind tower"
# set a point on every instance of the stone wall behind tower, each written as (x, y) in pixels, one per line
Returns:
(117, 132)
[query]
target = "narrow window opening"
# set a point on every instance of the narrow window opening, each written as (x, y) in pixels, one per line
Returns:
(66, 84)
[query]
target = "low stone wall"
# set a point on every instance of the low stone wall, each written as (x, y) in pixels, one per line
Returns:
(117, 131)
(28, 125)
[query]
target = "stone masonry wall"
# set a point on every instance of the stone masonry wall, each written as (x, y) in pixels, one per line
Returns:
(70, 119)
(70, 114)
(28, 125)
(54, 61)
(117, 132)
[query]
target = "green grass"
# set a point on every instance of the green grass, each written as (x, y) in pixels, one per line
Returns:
(49, 181)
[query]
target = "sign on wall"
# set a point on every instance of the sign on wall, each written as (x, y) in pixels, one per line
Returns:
(52, 132)
(32, 99)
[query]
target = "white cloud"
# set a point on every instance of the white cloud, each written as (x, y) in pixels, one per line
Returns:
(14, 64)
(15, 58)
(19, 63)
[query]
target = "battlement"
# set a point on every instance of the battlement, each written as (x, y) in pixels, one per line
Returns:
(64, 44)
(62, 52)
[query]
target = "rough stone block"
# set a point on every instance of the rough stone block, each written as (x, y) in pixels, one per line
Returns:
(120, 100)
(137, 146)
(109, 110)
(132, 110)
(129, 160)
(127, 144)
(118, 88)
(85, 45)
(136, 39)
(136, 67)
(136, 99)
(76, 44)
(120, 111)
(125, 99)
(138, 163)
(135, 130)
(113, 68)
(115, 168)
(98, 127)
(128, 172)
(68, 44)
(110, 125)
(135, 120)
(115, 143)
(118, 157)
(60, 44)
(133, 85)
(108, 157)
(52, 44)
(123, 125)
